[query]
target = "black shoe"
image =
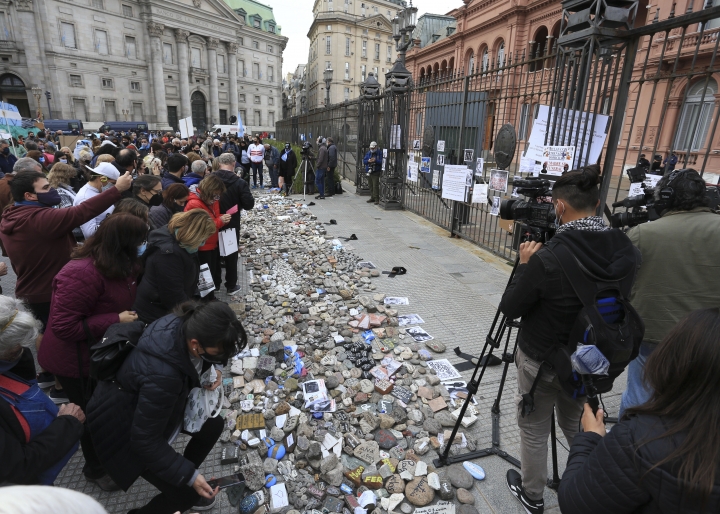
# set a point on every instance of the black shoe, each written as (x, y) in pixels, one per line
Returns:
(58, 396)
(204, 504)
(104, 482)
(370, 201)
(514, 483)
(45, 380)
(233, 289)
(320, 198)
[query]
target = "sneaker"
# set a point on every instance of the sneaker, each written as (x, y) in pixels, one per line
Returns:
(370, 201)
(377, 203)
(514, 483)
(320, 197)
(204, 504)
(58, 396)
(233, 289)
(104, 482)
(45, 380)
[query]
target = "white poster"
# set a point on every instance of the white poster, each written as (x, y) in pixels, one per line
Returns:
(416, 144)
(384, 158)
(436, 179)
(636, 189)
(186, 127)
(412, 171)
(571, 129)
(499, 180)
(480, 193)
(651, 181)
(441, 146)
(479, 166)
(425, 164)
(558, 159)
(495, 210)
(527, 165)
(454, 182)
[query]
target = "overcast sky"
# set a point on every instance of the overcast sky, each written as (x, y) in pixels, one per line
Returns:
(295, 17)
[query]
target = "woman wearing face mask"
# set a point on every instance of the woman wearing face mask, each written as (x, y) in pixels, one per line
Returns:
(207, 198)
(60, 177)
(287, 166)
(174, 199)
(68, 155)
(101, 178)
(171, 267)
(94, 290)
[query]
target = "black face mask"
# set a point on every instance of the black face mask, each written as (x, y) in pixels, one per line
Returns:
(6, 151)
(155, 200)
(50, 198)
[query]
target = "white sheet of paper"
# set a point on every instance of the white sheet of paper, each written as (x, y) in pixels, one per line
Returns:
(454, 184)
(480, 193)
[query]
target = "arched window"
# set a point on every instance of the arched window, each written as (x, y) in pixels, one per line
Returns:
(485, 59)
(696, 116)
(471, 64)
(538, 49)
(9, 81)
(501, 54)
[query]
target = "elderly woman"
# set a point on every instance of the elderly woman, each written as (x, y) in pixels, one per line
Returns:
(36, 439)
(60, 177)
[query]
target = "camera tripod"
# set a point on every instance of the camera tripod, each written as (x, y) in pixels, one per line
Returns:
(501, 328)
(304, 166)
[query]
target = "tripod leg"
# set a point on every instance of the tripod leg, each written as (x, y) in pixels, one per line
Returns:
(554, 482)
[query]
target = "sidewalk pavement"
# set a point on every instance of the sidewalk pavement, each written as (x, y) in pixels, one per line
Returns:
(454, 286)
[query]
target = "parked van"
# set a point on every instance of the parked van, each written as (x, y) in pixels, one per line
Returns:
(67, 126)
(124, 126)
(224, 129)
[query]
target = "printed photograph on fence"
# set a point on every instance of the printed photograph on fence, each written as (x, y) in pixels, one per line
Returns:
(468, 178)
(416, 144)
(419, 335)
(499, 180)
(384, 158)
(527, 165)
(445, 371)
(425, 164)
(410, 319)
(480, 193)
(441, 160)
(396, 300)
(558, 159)
(479, 166)
(469, 152)
(436, 179)
(495, 210)
(412, 174)
(441, 146)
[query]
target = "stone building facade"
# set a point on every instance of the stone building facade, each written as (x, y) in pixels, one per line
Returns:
(149, 60)
(354, 38)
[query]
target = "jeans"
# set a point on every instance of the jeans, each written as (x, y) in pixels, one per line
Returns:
(172, 498)
(330, 182)
(637, 391)
(535, 427)
(320, 181)
(257, 169)
(273, 176)
(374, 182)
(73, 387)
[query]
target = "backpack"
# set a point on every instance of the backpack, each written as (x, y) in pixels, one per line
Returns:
(606, 320)
(107, 356)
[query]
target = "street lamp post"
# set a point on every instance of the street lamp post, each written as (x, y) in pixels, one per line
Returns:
(48, 95)
(327, 77)
(37, 93)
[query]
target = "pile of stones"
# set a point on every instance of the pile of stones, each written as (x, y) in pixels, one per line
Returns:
(316, 322)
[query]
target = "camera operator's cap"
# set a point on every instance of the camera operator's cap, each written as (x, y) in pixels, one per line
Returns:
(373, 145)
(107, 169)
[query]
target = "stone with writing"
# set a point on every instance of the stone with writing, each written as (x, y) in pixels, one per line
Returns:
(395, 484)
(373, 482)
(368, 451)
(355, 475)
(446, 491)
(418, 492)
(385, 439)
(402, 393)
(316, 492)
(406, 465)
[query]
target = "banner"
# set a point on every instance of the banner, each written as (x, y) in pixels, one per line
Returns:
(240, 127)
(558, 159)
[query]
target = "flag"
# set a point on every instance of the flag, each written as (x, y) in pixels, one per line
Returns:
(241, 128)
(9, 115)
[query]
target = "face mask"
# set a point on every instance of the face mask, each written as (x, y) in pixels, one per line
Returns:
(141, 249)
(6, 151)
(64, 161)
(192, 250)
(50, 198)
(213, 359)
(107, 186)
(155, 200)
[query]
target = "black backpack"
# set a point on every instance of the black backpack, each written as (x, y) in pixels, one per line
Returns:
(107, 356)
(606, 320)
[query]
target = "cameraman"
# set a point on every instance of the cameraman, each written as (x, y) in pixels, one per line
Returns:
(679, 273)
(541, 294)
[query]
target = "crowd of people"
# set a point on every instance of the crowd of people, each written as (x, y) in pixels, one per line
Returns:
(114, 234)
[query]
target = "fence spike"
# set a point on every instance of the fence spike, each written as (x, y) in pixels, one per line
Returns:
(657, 15)
(672, 11)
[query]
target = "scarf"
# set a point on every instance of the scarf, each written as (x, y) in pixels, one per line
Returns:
(591, 223)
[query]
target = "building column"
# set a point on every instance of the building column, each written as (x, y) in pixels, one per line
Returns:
(232, 49)
(155, 30)
(212, 44)
(181, 37)
(27, 33)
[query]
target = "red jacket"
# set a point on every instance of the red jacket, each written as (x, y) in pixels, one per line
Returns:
(194, 202)
(39, 241)
(81, 292)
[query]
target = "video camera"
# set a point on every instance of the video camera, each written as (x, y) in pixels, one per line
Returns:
(305, 150)
(536, 216)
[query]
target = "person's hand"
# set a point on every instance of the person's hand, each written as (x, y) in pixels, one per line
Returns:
(328, 168)
(527, 249)
(70, 409)
(124, 182)
(3, 269)
(225, 218)
(593, 423)
(128, 316)
(203, 488)
(217, 383)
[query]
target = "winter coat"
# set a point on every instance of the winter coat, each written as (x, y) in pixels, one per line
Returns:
(170, 276)
(20, 461)
(238, 193)
(541, 293)
(288, 166)
(39, 241)
(332, 156)
(81, 293)
(7, 162)
(610, 474)
(131, 421)
(322, 158)
(682, 248)
(194, 202)
(373, 167)
(232, 148)
(90, 227)
(191, 179)
(167, 179)
(160, 215)
(272, 156)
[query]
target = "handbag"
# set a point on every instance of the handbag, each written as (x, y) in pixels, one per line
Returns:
(203, 404)
(228, 243)
(107, 356)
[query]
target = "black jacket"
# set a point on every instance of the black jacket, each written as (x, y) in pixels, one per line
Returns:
(170, 277)
(238, 193)
(132, 419)
(610, 474)
(20, 462)
(287, 167)
(160, 215)
(332, 156)
(541, 293)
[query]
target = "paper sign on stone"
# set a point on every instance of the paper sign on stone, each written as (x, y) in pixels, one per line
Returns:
(439, 508)
(278, 498)
(445, 370)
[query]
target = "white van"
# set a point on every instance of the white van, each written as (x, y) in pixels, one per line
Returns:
(225, 129)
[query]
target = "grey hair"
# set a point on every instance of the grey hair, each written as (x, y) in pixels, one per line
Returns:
(226, 158)
(26, 164)
(30, 499)
(17, 326)
(199, 166)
